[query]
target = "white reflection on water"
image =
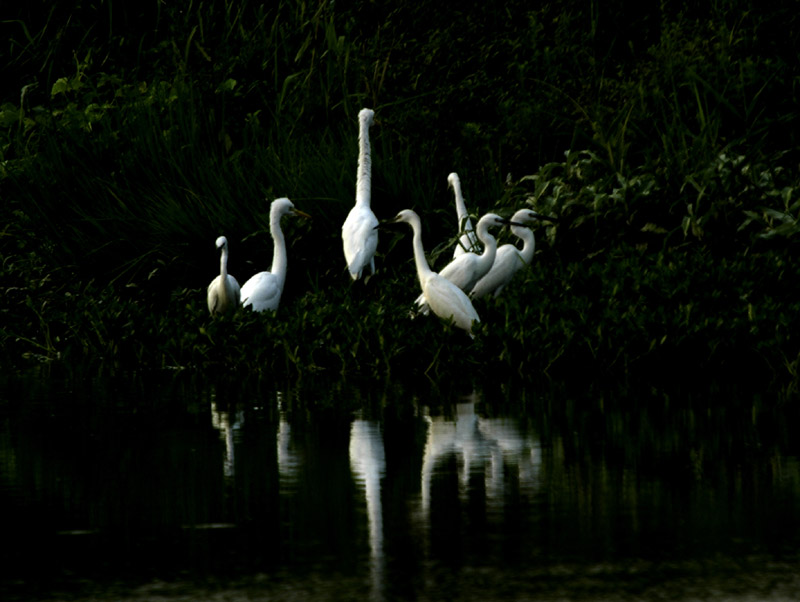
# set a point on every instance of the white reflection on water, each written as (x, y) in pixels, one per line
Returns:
(368, 463)
(508, 447)
(227, 425)
(288, 458)
(446, 437)
(493, 446)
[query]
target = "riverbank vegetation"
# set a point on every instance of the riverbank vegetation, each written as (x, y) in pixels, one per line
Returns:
(663, 137)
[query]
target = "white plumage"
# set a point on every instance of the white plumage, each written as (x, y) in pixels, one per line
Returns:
(223, 292)
(508, 259)
(467, 241)
(263, 291)
(466, 269)
(443, 297)
(359, 236)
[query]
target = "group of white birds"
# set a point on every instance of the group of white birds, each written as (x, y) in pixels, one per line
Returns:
(471, 274)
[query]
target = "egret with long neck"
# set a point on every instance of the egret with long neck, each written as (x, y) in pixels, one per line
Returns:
(443, 297)
(508, 259)
(467, 241)
(223, 292)
(466, 269)
(359, 236)
(263, 291)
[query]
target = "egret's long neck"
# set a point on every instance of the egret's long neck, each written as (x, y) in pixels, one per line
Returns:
(529, 243)
(489, 246)
(223, 263)
(364, 173)
(423, 269)
(279, 252)
(467, 240)
(461, 207)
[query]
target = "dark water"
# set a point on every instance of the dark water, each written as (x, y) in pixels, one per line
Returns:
(168, 488)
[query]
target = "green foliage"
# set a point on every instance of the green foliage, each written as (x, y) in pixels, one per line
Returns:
(663, 138)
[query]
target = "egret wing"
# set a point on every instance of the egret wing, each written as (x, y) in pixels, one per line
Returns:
(448, 301)
(506, 263)
(462, 271)
(360, 239)
(262, 291)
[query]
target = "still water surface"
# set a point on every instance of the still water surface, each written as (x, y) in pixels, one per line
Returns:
(169, 488)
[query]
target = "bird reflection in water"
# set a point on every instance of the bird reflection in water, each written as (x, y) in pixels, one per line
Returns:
(368, 463)
(227, 422)
(288, 457)
(479, 445)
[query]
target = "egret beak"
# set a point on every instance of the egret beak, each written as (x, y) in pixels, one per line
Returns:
(507, 223)
(388, 222)
(299, 213)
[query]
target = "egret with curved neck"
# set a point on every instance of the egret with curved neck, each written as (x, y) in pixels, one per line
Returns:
(359, 236)
(466, 269)
(508, 259)
(467, 241)
(443, 297)
(263, 291)
(223, 292)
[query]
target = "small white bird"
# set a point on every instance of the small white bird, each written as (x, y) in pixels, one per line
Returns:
(359, 236)
(444, 298)
(466, 269)
(263, 291)
(508, 259)
(467, 241)
(223, 292)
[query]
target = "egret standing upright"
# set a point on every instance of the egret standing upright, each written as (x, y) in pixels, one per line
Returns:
(359, 236)
(223, 292)
(263, 291)
(508, 259)
(444, 298)
(467, 241)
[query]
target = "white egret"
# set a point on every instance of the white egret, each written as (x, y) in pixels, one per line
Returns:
(359, 236)
(263, 291)
(466, 269)
(442, 296)
(223, 292)
(508, 259)
(467, 241)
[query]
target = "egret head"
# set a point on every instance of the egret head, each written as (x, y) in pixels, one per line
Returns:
(284, 206)
(406, 215)
(366, 117)
(453, 180)
(528, 216)
(492, 219)
(222, 242)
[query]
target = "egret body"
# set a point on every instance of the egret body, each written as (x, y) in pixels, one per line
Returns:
(359, 236)
(263, 291)
(467, 241)
(466, 269)
(443, 297)
(508, 259)
(223, 292)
